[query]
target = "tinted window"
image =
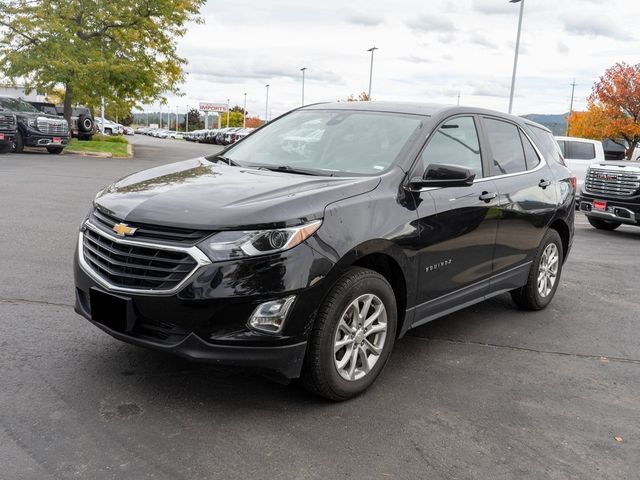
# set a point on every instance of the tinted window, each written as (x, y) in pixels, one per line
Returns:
(16, 105)
(546, 143)
(346, 141)
(456, 143)
(529, 152)
(506, 147)
(563, 147)
(581, 151)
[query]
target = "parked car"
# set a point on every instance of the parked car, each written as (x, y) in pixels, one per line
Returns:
(128, 131)
(8, 126)
(579, 153)
(240, 134)
(83, 126)
(110, 128)
(313, 264)
(35, 128)
(611, 194)
(614, 150)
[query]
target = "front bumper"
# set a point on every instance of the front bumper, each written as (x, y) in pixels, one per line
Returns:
(40, 140)
(622, 211)
(206, 320)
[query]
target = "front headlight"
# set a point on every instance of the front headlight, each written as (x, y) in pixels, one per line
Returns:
(29, 121)
(249, 243)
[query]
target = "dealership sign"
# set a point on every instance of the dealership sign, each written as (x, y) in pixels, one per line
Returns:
(213, 107)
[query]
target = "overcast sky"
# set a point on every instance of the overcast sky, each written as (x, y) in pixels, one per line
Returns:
(429, 51)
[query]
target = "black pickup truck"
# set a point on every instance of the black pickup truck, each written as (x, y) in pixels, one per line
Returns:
(7, 130)
(611, 194)
(35, 128)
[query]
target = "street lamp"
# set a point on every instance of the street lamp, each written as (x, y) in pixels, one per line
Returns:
(244, 112)
(372, 49)
(515, 58)
(266, 109)
(303, 69)
(228, 100)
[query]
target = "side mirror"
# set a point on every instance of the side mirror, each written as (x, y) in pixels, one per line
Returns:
(444, 175)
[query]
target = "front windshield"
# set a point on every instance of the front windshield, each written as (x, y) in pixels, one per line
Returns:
(350, 142)
(16, 105)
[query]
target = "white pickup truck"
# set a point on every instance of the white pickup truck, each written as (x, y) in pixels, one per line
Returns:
(579, 153)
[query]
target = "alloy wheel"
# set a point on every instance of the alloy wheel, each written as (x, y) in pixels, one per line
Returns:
(360, 337)
(548, 270)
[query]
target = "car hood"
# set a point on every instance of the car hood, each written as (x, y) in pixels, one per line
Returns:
(36, 115)
(202, 195)
(617, 165)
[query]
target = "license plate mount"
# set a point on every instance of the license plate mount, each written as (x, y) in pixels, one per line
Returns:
(56, 140)
(112, 311)
(599, 205)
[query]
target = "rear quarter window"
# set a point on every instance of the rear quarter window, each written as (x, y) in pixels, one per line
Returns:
(546, 143)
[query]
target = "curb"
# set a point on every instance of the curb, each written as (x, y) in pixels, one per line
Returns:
(90, 154)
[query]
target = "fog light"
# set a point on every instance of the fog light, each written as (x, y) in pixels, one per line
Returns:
(269, 316)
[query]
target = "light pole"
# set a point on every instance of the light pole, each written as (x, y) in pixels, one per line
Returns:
(244, 112)
(186, 121)
(372, 49)
(515, 58)
(303, 69)
(228, 100)
(266, 108)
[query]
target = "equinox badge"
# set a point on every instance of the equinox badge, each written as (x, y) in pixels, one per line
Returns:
(123, 230)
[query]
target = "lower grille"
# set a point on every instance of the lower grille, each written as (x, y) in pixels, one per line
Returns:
(49, 126)
(7, 122)
(611, 182)
(136, 267)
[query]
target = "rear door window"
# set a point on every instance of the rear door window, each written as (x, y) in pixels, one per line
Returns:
(546, 143)
(506, 147)
(580, 151)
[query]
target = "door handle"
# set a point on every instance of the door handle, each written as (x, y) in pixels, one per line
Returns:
(487, 196)
(544, 183)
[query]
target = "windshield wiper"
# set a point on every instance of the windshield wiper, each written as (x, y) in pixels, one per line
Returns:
(290, 169)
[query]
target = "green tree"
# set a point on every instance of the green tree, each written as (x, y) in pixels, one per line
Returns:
(235, 118)
(122, 50)
(195, 122)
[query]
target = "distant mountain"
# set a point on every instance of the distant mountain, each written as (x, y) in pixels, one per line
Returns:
(556, 123)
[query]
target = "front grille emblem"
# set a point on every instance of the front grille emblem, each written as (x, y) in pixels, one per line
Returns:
(124, 230)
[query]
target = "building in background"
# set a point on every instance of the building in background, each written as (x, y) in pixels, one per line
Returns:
(8, 90)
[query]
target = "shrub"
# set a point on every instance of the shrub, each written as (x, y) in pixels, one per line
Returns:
(98, 137)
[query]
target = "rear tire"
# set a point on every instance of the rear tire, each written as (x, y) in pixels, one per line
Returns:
(55, 150)
(352, 337)
(603, 224)
(544, 275)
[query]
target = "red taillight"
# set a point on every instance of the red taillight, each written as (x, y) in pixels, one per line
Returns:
(574, 181)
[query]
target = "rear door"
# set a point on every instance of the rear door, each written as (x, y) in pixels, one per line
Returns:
(458, 225)
(527, 199)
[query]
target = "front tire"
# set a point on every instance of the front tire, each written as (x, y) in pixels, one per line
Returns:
(18, 144)
(544, 275)
(603, 224)
(352, 337)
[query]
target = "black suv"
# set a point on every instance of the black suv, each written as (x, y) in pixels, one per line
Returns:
(35, 128)
(309, 247)
(7, 130)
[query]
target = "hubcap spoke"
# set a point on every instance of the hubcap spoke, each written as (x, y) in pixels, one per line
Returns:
(548, 269)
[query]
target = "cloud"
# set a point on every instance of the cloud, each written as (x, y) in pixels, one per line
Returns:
(488, 88)
(491, 7)
(364, 19)
(479, 39)
(416, 59)
(431, 23)
(257, 68)
(562, 47)
(593, 26)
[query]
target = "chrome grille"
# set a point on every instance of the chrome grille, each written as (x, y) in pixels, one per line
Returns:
(49, 126)
(7, 122)
(135, 267)
(152, 233)
(612, 182)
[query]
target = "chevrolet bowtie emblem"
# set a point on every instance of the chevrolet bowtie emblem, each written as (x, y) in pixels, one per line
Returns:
(123, 229)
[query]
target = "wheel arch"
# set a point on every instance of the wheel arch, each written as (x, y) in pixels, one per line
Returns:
(563, 230)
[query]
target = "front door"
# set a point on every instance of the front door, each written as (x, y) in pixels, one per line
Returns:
(458, 225)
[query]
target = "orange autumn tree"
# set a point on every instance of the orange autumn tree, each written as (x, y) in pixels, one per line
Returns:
(614, 108)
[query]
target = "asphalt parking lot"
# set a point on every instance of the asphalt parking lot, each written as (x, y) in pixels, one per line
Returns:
(490, 392)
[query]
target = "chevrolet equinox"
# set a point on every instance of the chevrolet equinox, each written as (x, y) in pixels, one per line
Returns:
(309, 247)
